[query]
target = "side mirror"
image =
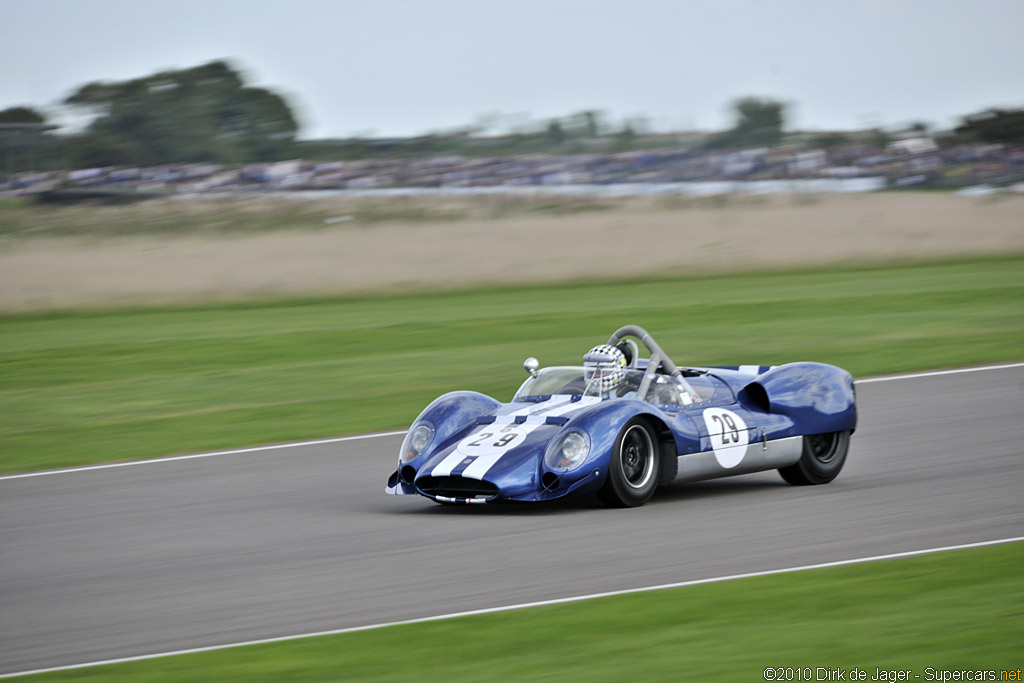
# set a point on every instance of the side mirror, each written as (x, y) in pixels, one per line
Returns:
(531, 365)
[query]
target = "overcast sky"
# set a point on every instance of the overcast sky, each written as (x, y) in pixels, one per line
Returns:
(393, 67)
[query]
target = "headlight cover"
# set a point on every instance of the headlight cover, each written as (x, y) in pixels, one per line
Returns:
(568, 451)
(416, 441)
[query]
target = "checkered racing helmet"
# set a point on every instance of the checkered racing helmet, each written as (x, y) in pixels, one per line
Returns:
(604, 366)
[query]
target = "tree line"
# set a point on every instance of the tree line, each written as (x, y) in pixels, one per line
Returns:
(209, 114)
(202, 114)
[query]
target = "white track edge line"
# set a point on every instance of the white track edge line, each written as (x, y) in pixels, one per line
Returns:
(298, 444)
(194, 456)
(528, 605)
(937, 373)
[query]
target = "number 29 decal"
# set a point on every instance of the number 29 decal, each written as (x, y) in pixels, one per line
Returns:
(500, 443)
(491, 441)
(728, 434)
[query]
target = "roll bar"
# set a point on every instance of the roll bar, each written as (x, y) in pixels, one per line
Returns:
(657, 355)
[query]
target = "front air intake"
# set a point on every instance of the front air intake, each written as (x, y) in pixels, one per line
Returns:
(456, 487)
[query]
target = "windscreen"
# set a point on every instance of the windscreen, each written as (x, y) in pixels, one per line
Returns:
(570, 380)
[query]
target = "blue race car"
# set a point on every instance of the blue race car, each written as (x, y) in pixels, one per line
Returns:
(621, 425)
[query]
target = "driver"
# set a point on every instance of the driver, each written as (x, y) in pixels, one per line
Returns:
(604, 367)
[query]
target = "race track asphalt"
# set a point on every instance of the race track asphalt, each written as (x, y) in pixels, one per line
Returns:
(129, 561)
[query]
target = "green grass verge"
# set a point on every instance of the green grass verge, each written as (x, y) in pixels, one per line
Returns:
(80, 388)
(949, 611)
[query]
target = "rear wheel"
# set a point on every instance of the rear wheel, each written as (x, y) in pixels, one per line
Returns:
(633, 468)
(822, 458)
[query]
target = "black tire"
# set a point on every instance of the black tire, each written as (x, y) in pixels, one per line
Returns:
(822, 458)
(634, 467)
(669, 465)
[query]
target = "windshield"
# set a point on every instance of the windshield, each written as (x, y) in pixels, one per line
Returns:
(664, 389)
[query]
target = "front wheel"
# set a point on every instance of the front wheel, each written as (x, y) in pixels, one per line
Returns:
(822, 458)
(633, 468)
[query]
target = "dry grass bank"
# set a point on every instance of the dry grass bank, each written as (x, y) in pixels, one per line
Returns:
(331, 247)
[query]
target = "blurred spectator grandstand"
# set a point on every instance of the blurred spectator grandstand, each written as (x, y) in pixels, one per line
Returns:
(908, 163)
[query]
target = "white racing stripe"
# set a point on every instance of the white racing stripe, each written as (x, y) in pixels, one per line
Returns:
(482, 465)
(535, 414)
(445, 467)
(317, 442)
(540, 417)
(527, 605)
(534, 408)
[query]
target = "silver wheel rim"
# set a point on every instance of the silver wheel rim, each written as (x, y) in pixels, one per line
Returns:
(636, 457)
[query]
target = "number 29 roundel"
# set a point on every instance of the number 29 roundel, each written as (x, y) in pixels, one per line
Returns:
(728, 434)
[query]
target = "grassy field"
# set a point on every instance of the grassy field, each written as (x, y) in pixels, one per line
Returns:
(961, 610)
(80, 388)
